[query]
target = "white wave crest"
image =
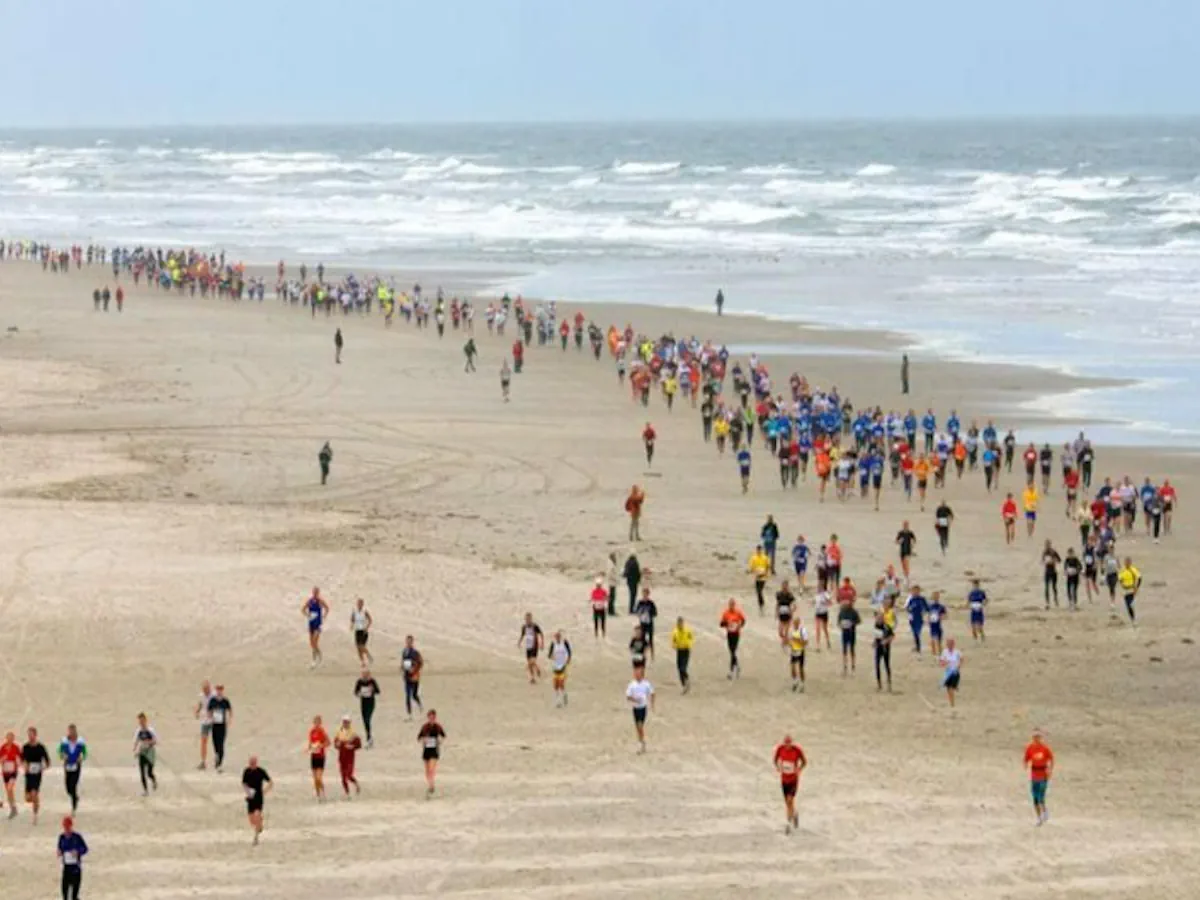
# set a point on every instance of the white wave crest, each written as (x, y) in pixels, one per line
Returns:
(45, 184)
(728, 212)
(875, 170)
(645, 168)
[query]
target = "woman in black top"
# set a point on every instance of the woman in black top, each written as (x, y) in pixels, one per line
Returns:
(1050, 559)
(883, 651)
(431, 737)
(1072, 568)
(366, 689)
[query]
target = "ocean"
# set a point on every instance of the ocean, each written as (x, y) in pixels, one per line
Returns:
(1072, 244)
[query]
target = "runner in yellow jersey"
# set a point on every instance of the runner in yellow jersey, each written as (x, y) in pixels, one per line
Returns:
(1029, 498)
(1131, 582)
(682, 639)
(797, 644)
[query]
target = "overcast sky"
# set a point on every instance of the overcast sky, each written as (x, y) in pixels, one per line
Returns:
(147, 62)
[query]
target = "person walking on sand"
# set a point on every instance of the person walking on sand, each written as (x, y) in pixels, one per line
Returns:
(559, 654)
(347, 744)
(790, 761)
(145, 748)
(35, 760)
(72, 752)
(220, 711)
(633, 506)
(720, 302)
(10, 761)
(649, 435)
(201, 713)
(633, 578)
(733, 620)
(1130, 580)
(318, 743)
(325, 460)
(412, 663)
(904, 374)
(531, 641)
(1039, 760)
(366, 689)
(951, 662)
(599, 603)
(431, 737)
(338, 343)
(470, 352)
(72, 848)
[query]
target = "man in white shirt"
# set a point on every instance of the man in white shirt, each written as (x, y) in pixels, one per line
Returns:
(640, 695)
(951, 661)
(560, 658)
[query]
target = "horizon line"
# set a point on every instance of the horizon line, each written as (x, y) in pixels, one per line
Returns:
(930, 119)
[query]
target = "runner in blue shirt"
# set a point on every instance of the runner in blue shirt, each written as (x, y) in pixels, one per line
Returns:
(864, 473)
(800, 560)
(72, 848)
(72, 751)
(929, 426)
(743, 461)
(315, 609)
(875, 463)
(916, 606)
(910, 429)
(953, 425)
(937, 616)
(976, 601)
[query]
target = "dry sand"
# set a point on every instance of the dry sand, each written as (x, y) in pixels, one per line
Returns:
(163, 521)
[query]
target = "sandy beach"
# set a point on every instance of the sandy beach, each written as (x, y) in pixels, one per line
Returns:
(164, 520)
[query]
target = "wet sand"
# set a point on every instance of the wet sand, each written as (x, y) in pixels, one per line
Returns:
(164, 520)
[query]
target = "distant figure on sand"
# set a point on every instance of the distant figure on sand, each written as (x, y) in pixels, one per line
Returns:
(904, 374)
(325, 460)
(720, 301)
(633, 506)
(338, 343)
(470, 352)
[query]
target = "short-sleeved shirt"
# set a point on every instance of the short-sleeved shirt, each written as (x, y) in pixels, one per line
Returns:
(787, 759)
(431, 735)
(252, 783)
(640, 693)
(848, 618)
(1039, 758)
(219, 709)
(906, 539)
(35, 757)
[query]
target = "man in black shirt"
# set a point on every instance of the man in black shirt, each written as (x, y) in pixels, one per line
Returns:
(942, 517)
(366, 689)
(1050, 559)
(906, 541)
(884, 634)
(35, 760)
(256, 783)
(637, 648)
(1072, 568)
(785, 607)
(646, 613)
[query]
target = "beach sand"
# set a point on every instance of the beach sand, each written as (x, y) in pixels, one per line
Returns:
(164, 520)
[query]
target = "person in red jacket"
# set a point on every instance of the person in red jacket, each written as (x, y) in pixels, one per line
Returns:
(649, 435)
(1008, 512)
(790, 761)
(347, 744)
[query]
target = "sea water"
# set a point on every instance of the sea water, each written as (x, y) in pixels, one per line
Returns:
(1070, 244)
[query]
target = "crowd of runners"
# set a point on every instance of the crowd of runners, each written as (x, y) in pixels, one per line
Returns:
(863, 451)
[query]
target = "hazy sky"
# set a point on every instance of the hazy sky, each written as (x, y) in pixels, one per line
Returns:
(131, 62)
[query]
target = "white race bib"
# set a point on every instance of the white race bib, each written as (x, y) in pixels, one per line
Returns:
(218, 716)
(934, 618)
(34, 769)
(70, 858)
(431, 743)
(787, 768)
(9, 766)
(72, 767)
(250, 792)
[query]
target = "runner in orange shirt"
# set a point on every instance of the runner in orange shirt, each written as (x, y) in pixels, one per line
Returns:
(823, 466)
(921, 471)
(790, 761)
(1008, 512)
(649, 436)
(732, 622)
(1039, 759)
(318, 741)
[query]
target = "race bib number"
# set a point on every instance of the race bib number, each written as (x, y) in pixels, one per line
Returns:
(431, 743)
(250, 792)
(8, 767)
(934, 618)
(72, 767)
(70, 858)
(787, 768)
(218, 716)
(34, 769)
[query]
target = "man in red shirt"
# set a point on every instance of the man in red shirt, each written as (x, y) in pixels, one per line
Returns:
(1071, 483)
(1008, 511)
(790, 761)
(600, 609)
(846, 592)
(648, 436)
(10, 762)
(1169, 499)
(1040, 762)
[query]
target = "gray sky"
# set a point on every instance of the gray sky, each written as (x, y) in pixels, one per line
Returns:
(146, 62)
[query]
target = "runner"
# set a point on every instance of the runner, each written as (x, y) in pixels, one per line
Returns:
(560, 658)
(145, 744)
(411, 665)
(1131, 582)
(360, 625)
(916, 606)
(324, 461)
(942, 518)
(637, 648)
(848, 622)
(600, 602)
(1029, 499)
(743, 461)
(35, 760)
(797, 643)
(72, 753)
(1090, 569)
(640, 695)
(733, 620)
(821, 605)
(1072, 568)
(906, 541)
(315, 609)
(976, 601)
(951, 661)
(256, 783)
(790, 761)
(366, 689)
(785, 607)
(800, 560)
(1170, 498)
(431, 737)
(72, 848)
(1039, 759)
(347, 744)
(884, 635)
(937, 617)
(633, 505)
(10, 762)
(201, 712)
(1008, 512)
(1050, 561)
(318, 743)
(531, 640)
(683, 639)
(220, 710)
(649, 435)
(505, 380)
(759, 565)
(647, 612)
